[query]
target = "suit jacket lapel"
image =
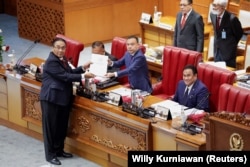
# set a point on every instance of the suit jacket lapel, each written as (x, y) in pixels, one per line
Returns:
(225, 16)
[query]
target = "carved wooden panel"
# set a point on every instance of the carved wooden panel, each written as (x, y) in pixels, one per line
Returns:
(103, 131)
(41, 21)
(31, 109)
(234, 127)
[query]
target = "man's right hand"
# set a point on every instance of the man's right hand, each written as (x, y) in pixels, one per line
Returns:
(89, 75)
(110, 74)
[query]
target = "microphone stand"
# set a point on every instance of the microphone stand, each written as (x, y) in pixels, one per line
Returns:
(20, 68)
(201, 102)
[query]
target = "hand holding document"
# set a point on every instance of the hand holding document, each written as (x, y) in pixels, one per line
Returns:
(99, 64)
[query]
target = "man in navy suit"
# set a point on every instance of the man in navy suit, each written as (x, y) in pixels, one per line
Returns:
(56, 98)
(189, 28)
(227, 33)
(136, 66)
(191, 92)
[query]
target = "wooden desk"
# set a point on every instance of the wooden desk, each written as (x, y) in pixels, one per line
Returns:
(153, 35)
(98, 131)
(234, 129)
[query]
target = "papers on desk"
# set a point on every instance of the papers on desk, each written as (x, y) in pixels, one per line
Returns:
(175, 108)
(127, 92)
(240, 73)
(220, 64)
(99, 64)
(122, 91)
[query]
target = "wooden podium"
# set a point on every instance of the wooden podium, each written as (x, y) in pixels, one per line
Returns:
(228, 131)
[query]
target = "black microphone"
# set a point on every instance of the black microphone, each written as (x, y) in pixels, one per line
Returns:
(203, 100)
(22, 69)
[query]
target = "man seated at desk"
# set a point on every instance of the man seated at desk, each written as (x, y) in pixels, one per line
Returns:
(98, 48)
(136, 66)
(191, 92)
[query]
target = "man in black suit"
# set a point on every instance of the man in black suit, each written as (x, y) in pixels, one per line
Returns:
(189, 28)
(56, 98)
(227, 33)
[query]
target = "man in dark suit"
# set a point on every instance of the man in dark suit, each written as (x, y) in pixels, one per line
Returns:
(56, 98)
(227, 33)
(136, 66)
(191, 92)
(189, 28)
(99, 48)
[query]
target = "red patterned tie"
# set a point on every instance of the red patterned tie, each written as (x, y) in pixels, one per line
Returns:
(183, 21)
(218, 23)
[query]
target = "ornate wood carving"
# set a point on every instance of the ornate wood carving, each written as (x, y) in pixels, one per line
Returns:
(139, 136)
(240, 118)
(31, 109)
(32, 105)
(105, 131)
(42, 21)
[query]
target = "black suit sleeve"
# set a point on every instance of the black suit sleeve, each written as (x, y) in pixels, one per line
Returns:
(237, 28)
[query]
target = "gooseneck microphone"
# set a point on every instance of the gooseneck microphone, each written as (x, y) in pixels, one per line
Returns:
(20, 68)
(202, 100)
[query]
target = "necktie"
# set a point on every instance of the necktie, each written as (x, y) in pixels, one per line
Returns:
(64, 62)
(183, 21)
(218, 23)
(185, 97)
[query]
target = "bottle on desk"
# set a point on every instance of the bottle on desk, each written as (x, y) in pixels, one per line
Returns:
(156, 18)
(183, 116)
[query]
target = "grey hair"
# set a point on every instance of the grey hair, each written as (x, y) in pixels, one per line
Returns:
(221, 3)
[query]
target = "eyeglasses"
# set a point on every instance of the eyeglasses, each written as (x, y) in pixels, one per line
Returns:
(184, 5)
(60, 47)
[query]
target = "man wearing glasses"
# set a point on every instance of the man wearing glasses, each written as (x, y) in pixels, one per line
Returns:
(189, 28)
(227, 33)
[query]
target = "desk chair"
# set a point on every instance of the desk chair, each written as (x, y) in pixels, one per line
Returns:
(73, 49)
(237, 99)
(118, 49)
(213, 77)
(174, 60)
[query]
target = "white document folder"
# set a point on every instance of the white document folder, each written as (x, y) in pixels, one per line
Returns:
(99, 64)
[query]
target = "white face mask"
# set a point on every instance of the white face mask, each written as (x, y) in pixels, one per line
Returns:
(215, 12)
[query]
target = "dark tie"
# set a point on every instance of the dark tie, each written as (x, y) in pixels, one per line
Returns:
(183, 21)
(217, 23)
(185, 97)
(64, 62)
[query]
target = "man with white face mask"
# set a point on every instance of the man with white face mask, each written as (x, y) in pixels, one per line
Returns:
(227, 33)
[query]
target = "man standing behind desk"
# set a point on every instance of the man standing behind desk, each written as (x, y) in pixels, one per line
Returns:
(136, 66)
(227, 33)
(56, 99)
(191, 92)
(189, 28)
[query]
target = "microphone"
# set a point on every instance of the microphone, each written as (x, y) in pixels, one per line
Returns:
(203, 100)
(20, 68)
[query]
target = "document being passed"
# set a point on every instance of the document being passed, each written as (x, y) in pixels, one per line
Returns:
(99, 64)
